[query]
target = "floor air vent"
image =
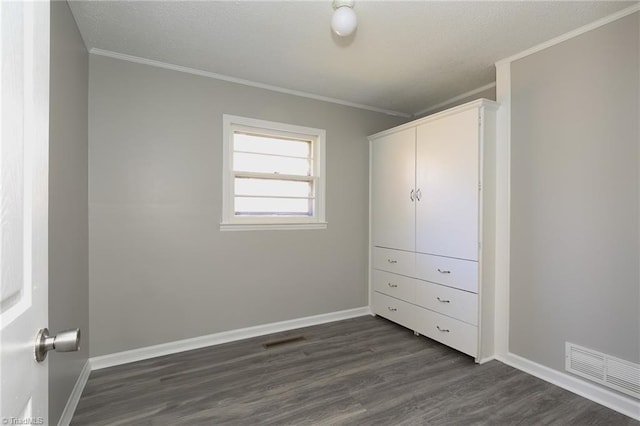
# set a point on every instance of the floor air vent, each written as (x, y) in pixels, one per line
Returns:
(618, 374)
(283, 341)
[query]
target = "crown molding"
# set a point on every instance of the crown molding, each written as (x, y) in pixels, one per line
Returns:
(179, 68)
(571, 34)
(456, 99)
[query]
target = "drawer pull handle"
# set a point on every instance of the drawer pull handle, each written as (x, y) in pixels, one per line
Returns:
(392, 261)
(443, 271)
(412, 195)
(392, 309)
(443, 300)
(392, 285)
(444, 330)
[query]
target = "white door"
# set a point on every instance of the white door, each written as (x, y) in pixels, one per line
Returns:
(447, 180)
(24, 142)
(392, 190)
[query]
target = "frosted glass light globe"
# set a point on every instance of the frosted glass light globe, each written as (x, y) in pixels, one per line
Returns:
(344, 21)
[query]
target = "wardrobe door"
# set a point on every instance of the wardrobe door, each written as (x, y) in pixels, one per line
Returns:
(447, 183)
(392, 190)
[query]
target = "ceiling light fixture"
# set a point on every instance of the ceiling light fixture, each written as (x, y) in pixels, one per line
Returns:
(344, 19)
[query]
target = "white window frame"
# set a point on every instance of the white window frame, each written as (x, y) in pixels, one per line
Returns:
(231, 222)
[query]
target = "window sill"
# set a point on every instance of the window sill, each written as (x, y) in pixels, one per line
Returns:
(271, 226)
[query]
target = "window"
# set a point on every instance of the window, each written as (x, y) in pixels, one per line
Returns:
(273, 175)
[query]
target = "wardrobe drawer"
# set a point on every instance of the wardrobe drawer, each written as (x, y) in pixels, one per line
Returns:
(462, 274)
(398, 286)
(397, 261)
(449, 301)
(451, 332)
(396, 310)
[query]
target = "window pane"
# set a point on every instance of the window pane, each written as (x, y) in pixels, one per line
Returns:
(256, 206)
(267, 145)
(260, 163)
(280, 188)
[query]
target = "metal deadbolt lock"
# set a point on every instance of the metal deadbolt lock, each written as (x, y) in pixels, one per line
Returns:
(65, 341)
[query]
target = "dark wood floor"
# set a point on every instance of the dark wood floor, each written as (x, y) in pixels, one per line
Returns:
(362, 371)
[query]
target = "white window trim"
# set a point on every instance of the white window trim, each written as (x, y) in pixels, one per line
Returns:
(230, 222)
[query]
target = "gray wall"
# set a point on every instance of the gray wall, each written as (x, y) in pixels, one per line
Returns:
(575, 197)
(160, 269)
(68, 201)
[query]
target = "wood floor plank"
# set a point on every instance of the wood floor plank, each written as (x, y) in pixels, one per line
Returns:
(361, 371)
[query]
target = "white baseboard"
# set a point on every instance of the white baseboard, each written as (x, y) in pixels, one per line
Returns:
(76, 393)
(487, 359)
(618, 402)
(140, 354)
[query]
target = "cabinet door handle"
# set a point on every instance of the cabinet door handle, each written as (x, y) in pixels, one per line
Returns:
(443, 300)
(392, 309)
(418, 194)
(443, 271)
(411, 195)
(392, 261)
(392, 285)
(444, 330)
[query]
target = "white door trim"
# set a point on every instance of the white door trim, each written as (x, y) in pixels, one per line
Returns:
(503, 208)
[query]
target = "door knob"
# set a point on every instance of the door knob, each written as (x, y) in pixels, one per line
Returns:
(65, 341)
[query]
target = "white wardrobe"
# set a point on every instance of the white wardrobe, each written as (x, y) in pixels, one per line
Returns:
(432, 226)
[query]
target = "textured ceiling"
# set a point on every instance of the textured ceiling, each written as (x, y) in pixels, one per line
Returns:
(404, 56)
